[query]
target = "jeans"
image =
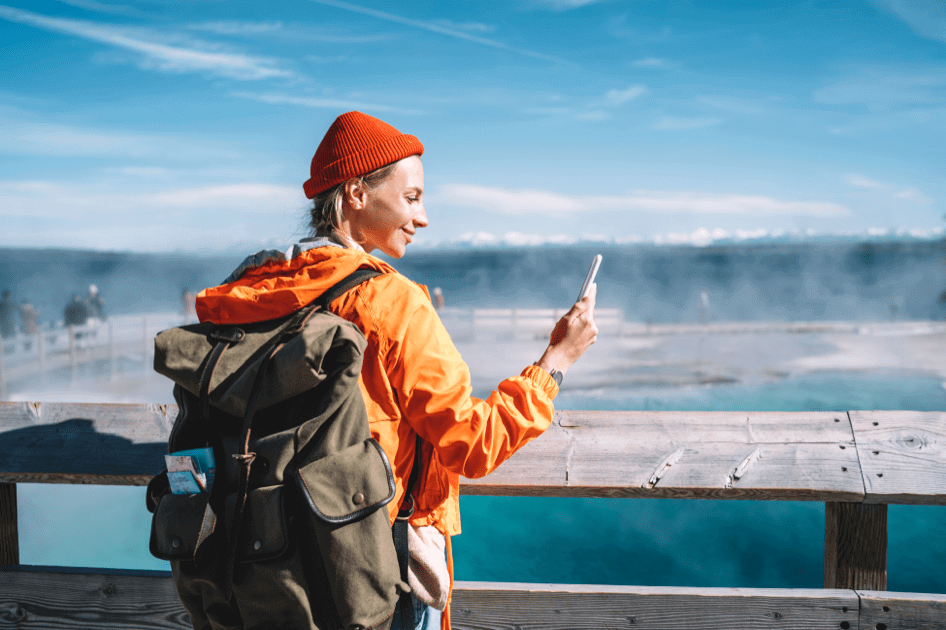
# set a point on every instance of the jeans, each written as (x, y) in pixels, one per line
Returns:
(425, 617)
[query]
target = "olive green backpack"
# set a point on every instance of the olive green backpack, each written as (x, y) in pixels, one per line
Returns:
(293, 532)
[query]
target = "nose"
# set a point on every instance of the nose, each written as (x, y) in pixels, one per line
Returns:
(420, 217)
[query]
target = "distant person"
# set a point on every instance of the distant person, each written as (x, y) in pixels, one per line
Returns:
(29, 318)
(438, 299)
(187, 303)
(93, 302)
(704, 307)
(76, 313)
(8, 311)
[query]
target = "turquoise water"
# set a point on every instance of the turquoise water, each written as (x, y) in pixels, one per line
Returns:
(607, 541)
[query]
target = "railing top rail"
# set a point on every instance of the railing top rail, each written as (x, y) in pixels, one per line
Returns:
(857, 456)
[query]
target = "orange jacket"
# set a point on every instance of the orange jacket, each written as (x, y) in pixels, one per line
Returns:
(412, 379)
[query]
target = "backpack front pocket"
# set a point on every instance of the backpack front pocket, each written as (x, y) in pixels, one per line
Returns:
(181, 525)
(265, 526)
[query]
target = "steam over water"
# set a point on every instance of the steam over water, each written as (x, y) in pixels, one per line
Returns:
(663, 284)
(645, 542)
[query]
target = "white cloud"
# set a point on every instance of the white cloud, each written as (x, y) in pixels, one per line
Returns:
(470, 27)
(731, 104)
(530, 201)
(155, 55)
(887, 87)
(434, 27)
(913, 195)
(618, 97)
(564, 5)
(236, 27)
(23, 135)
(321, 103)
(887, 191)
(651, 62)
(61, 200)
(593, 115)
(859, 181)
(926, 17)
(675, 123)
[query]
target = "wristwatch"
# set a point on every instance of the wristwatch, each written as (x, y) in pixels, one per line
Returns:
(555, 374)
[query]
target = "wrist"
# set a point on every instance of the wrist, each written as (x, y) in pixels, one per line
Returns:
(557, 375)
(551, 361)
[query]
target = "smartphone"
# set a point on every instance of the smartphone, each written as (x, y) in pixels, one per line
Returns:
(590, 278)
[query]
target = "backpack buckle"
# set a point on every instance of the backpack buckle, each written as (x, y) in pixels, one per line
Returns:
(402, 514)
(230, 335)
(247, 460)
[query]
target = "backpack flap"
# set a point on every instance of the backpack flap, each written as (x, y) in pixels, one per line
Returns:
(326, 344)
(181, 526)
(349, 485)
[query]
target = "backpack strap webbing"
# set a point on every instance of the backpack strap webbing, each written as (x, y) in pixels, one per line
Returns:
(401, 525)
(353, 280)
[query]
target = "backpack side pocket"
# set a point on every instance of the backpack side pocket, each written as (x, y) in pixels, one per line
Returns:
(348, 486)
(345, 492)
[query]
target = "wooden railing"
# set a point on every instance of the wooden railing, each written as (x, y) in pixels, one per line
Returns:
(856, 462)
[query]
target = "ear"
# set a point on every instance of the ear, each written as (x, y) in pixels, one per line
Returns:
(355, 194)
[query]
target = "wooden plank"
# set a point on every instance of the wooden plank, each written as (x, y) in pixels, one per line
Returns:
(49, 597)
(903, 455)
(9, 534)
(855, 546)
(538, 469)
(35, 597)
(82, 443)
(762, 456)
(882, 610)
(480, 606)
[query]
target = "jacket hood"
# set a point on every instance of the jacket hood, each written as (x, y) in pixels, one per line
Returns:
(280, 287)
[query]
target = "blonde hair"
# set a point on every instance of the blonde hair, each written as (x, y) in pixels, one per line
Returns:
(328, 206)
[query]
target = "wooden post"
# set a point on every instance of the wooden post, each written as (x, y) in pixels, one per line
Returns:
(855, 546)
(9, 536)
(41, 349)
(146, 348)
(111, 349)
(3, 380)
(73, 352)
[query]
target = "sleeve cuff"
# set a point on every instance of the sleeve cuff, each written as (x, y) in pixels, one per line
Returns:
(542, 379)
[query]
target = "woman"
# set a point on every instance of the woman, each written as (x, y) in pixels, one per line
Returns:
(367, 185)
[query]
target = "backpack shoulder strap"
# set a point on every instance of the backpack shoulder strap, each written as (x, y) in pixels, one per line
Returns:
(344, 285)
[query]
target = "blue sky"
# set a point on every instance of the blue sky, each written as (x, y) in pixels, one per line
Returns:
(189, 126)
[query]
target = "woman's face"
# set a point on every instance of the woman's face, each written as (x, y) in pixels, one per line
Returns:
(387, 217)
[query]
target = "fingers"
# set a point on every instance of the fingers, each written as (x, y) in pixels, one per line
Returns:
(587, 302)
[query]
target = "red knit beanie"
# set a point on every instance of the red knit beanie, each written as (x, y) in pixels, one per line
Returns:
(355, 145)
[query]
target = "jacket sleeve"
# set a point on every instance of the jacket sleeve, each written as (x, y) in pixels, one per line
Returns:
(432, 384)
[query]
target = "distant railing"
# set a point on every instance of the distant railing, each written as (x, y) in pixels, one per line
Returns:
(519, 323)
(856, 462)
(129, 338)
